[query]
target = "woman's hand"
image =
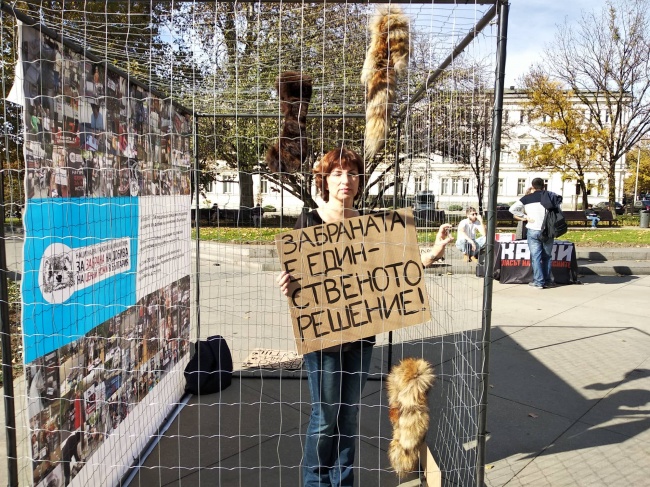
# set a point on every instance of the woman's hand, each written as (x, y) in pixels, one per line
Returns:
(283, 281)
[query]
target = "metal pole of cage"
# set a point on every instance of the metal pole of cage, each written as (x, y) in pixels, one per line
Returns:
(502, 36)
(197, 276)
(5, 327)
(395, 202)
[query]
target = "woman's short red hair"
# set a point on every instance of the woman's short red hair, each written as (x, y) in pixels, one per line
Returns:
(343, 158)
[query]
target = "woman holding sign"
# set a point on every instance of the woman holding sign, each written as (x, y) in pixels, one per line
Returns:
(337, 375)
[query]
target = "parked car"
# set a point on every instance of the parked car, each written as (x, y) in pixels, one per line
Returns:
(604, 205)
(642, 204)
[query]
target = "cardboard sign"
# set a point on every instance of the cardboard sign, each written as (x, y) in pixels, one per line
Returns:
(263, 358)
(354, 279)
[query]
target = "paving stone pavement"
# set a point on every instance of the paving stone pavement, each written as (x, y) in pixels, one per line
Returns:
(568, 403)
(569, 396)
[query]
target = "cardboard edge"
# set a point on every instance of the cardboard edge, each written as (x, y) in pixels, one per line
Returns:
(429, 467)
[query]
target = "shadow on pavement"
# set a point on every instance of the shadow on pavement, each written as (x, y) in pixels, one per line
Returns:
(252, 433)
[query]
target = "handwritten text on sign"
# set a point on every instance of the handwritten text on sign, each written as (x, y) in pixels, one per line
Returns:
(354, 279)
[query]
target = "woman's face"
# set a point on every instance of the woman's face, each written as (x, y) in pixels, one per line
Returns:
(343, 183)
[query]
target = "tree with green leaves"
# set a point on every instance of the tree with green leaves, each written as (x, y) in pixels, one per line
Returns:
(605, 62)
(637, 181)
(11, 157)
(571, 145)
(246, 49)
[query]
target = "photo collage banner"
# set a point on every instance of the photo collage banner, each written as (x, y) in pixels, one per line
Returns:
(105, 284)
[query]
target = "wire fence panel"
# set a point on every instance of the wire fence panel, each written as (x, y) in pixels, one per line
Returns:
(152, 153)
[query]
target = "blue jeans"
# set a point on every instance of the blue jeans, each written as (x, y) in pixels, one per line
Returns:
(540, 258)
(336, 380)
(594, 220)
(465, 247)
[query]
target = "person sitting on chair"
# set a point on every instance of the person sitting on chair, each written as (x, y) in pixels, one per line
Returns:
(467, 241)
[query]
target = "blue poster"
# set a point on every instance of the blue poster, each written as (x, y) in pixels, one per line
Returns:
(78, 273)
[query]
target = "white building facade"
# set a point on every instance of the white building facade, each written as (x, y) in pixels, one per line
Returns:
(453, 184)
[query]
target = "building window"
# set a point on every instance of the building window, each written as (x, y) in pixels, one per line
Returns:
(601, 187)
(523, 147)
(419, 184)
(264, 186)
(521, 116)
(444, 186)
(465, 182)
(591, 187)
(208, 187)
(227, 187)
(501, 189)
(455, 186)
(521, 186)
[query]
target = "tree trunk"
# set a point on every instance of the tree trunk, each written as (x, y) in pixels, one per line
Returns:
(585, 196)
(246, 197)
(611, 183)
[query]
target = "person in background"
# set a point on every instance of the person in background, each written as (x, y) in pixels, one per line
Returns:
(257, 213)
(467, 241)
(593, 216)
(337, 375)
(529, 209)
(521, 232)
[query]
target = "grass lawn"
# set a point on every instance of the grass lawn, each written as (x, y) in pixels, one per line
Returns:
(618, 237)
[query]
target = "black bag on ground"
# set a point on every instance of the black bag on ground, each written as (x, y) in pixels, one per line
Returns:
(210, 368)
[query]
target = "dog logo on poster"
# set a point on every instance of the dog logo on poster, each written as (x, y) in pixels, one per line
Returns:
(58, 273)
(64, 271)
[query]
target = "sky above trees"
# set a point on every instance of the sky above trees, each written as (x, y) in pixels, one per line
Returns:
(532, 24)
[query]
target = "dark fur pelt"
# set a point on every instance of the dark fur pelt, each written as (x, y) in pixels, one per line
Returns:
(291, 150)
(407, 386)
(387, 57)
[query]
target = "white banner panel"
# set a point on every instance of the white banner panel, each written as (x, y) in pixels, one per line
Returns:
(106, 287)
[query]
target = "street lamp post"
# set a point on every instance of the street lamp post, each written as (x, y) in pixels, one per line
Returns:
(636, 180)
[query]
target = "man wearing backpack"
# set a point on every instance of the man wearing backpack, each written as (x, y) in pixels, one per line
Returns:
(531, 210)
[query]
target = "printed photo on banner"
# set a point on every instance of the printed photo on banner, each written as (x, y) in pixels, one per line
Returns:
(78, 395)
(84, 124)
(103, 333)
(354, 279)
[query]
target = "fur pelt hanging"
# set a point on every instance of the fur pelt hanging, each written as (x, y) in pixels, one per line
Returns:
(387, 57)
(291, 150)
(408, 384)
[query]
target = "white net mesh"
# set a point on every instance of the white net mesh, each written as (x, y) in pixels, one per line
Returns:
(121, 102)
